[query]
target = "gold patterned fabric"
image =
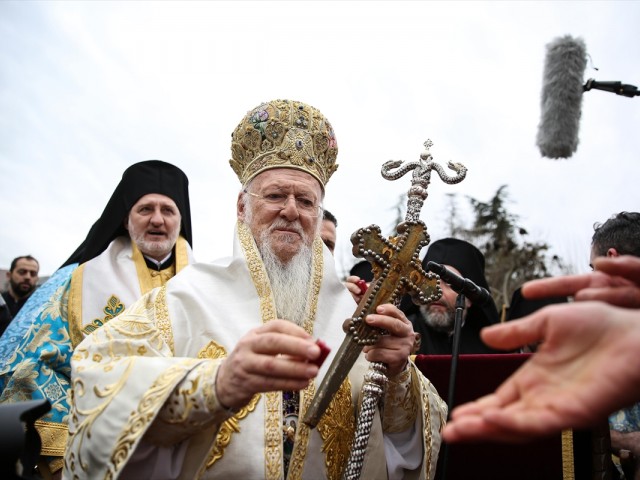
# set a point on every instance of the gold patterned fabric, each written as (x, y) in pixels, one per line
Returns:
(143, 407)
(400, 405)
(284, 134)
(93, 294)
(90, 307)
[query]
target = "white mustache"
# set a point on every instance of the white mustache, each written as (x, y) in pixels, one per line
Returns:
(280, 223)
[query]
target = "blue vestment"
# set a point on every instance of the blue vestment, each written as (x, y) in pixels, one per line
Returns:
(17, 329)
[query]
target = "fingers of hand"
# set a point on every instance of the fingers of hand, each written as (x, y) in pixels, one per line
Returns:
(627, 266)
(555, 286)
(516, 333)
(284, 345)
(627, 297)
(248, 373)
(282, 326)
(274, 353)
(391, 319)
(490, 417)
(394, 348)
(240, 389)
(476, 407)
(352, 287)
(475, 428)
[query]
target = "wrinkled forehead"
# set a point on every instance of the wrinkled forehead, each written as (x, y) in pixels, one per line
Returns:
(289, 180)
(155, 199)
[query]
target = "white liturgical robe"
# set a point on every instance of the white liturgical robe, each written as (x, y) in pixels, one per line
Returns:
(144, 403)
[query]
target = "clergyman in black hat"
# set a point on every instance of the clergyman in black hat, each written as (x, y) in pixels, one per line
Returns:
(141, 240)
(435, 321)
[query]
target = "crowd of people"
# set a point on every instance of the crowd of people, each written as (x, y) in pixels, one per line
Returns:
(157, 366)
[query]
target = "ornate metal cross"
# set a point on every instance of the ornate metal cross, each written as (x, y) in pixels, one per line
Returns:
(397, 270)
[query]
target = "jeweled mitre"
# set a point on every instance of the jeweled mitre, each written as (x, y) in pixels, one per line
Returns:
(284, 134)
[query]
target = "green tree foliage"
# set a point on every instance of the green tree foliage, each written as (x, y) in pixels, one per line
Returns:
(511, 257)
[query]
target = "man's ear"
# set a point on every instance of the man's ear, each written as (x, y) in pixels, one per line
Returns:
(125, 223)
(612, 252)
(240, 207)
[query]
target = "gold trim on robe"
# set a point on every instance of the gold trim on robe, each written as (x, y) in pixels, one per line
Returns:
(54, 438)
(335, 449)
(568, 468)
(214, 350)
(164, 323)
(147, 280)
(75, 307)
(273, 400)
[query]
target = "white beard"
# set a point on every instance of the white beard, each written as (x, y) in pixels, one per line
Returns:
(153, 248)
(440, 321)
(289, 282)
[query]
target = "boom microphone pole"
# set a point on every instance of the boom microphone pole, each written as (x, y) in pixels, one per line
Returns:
(618, 88)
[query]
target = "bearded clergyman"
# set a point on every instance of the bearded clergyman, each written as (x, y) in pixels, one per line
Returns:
(141, 240)
(435, 321)
(210, 375)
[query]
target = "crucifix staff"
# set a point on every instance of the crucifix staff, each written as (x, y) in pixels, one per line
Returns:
(397, 271)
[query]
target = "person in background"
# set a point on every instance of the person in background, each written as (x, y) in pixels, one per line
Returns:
(23, 278)
(141, 240)
(5, 315)
(328, 230)
(215, 372)
(435, 321)
(620, 235)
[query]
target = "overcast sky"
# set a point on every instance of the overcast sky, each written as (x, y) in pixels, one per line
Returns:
(89, 88)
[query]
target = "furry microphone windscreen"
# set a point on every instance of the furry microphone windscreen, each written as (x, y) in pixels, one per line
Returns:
(562, 90)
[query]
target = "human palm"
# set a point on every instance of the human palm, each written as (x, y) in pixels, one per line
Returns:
(566, 383)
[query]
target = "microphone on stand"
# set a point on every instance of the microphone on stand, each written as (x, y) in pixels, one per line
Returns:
(477, 294)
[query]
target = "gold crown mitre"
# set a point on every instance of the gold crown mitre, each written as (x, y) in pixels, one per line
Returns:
(284, 134)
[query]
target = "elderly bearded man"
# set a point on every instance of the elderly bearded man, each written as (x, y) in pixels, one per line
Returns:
(208, 376)
(139, 242)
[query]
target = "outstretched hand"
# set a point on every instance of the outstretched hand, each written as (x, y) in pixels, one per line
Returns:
(276, 356)
(615, 281)
(586, 367)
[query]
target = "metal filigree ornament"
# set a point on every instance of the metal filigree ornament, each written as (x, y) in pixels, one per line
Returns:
(397, 270)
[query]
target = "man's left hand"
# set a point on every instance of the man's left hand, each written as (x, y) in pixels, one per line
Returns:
(393, 349)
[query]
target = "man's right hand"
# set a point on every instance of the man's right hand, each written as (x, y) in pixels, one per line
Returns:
(276, 356)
